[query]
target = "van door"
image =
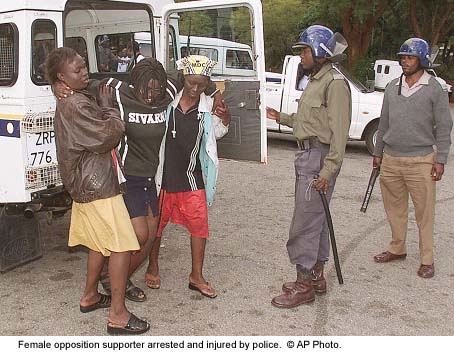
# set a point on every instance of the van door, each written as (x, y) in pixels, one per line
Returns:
(238, 21)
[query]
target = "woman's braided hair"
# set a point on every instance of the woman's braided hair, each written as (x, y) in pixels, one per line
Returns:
(148, 69)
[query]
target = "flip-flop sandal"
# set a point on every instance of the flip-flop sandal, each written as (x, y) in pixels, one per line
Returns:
(153, 282)
(135, 326)
(134, 293)
(205, 289)
(103, 302)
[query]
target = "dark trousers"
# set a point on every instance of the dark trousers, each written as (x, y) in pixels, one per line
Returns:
(308, 236)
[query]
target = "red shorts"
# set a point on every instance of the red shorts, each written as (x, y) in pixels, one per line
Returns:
(188, 209)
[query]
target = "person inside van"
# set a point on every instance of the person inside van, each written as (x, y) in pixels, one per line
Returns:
(87, 128)
(134, 54)
(106, 58)
(123, 60)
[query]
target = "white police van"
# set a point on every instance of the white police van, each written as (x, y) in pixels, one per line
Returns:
(31, 29)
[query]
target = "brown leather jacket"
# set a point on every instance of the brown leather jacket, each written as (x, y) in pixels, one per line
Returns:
(85, 136)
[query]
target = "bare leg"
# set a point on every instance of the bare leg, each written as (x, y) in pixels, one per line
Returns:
(94, 266)
(145, 228)
(196, 280)
(198, 255)
(118, 271)
(152, 274)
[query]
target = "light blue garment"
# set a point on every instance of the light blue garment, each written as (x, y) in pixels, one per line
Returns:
(212, 129)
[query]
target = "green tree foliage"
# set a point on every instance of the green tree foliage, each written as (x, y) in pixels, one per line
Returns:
(241, 23)
(197, 23)
(283, 22)
(374, 29)
(431, 19)
(357, 20)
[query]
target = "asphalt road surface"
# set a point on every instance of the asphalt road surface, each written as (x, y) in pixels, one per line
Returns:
(246, 261)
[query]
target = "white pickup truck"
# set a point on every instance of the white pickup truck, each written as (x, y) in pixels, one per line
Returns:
(282, 94)
(387, 70)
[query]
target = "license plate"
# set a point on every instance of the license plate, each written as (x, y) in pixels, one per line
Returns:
(41, 149)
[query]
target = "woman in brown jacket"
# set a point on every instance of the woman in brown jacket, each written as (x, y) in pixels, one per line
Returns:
(87, 128)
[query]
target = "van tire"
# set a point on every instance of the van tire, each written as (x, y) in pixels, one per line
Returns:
(370, 136)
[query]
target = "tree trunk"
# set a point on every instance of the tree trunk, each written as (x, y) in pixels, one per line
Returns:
(431, 23)
(414, 19)
(358, 33)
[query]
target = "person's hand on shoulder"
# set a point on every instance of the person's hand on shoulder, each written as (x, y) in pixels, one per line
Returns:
(105, 96)
(223, 113)
(61, 90)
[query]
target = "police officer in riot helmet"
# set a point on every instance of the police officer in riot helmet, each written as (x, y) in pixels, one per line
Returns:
(416, 107)
(320, 126)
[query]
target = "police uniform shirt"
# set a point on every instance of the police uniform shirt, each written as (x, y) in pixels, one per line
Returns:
(182, 169)
(324, 112)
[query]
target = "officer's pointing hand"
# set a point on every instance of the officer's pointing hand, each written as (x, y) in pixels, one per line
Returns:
(272, 114)
(321, 184)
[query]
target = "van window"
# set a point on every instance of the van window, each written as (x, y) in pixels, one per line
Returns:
(44, 40)
(221, 34)
(111, 50)
(386, 69)
(79, 45)
(238, 59)
(108, 27)
(208, 52)
(379, 69)
(9, 47)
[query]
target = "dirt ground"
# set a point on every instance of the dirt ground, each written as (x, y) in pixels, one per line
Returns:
(246, 262)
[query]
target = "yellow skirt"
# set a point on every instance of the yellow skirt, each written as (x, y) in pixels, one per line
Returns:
(103, 226)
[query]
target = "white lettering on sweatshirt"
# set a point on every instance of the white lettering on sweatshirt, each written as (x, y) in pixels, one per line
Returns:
(145, 119)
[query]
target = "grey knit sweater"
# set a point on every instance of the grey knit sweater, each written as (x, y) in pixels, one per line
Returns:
(411, 126)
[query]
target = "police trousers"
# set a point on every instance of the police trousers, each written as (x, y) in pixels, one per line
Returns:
(309, 235)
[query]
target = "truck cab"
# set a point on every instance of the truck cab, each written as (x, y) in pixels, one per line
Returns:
(284, 94)
(99, 30)
(234, 59)
(388, 70)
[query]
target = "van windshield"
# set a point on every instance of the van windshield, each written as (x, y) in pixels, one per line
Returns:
(358, 85)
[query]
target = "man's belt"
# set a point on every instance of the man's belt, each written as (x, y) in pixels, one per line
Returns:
(307, 144)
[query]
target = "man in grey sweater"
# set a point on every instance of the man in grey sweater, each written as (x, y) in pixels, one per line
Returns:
(415, 116)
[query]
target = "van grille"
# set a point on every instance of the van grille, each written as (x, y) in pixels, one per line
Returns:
(42, 177)
(38, 122)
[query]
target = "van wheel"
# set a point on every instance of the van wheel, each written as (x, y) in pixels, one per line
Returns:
(370, 136)
(19, 240)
